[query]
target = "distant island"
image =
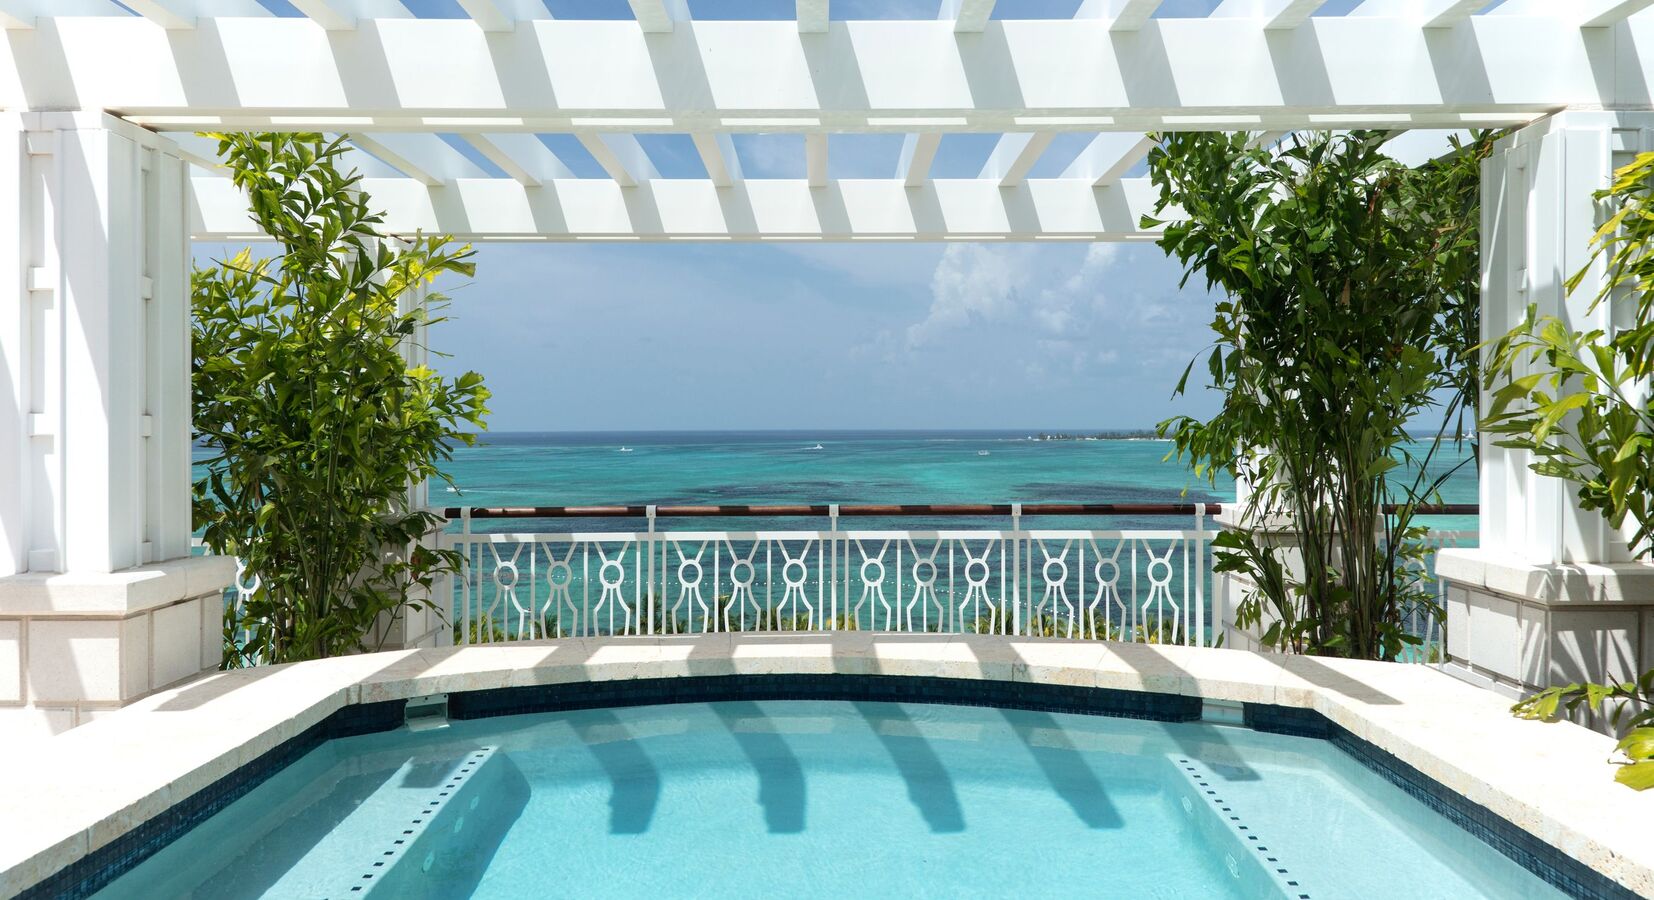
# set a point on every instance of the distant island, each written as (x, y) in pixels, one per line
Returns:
(1143, 435)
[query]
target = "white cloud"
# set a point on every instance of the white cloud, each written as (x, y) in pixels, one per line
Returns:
(972, 283)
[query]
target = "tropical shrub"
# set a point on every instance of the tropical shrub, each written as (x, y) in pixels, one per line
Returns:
(1348, 312)
(1579, 402)
(314, 423)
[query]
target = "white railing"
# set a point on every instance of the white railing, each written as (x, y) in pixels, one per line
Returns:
(1141, 584)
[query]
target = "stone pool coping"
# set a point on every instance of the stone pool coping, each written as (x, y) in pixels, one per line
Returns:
(75, 793)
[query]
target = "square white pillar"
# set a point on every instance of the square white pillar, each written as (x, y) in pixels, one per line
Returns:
(1551, 595)
(98, 592)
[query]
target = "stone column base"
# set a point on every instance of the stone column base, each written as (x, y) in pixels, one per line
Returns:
(75, 645)
(1516, 628)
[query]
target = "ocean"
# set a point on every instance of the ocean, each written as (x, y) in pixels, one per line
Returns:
(569, 469)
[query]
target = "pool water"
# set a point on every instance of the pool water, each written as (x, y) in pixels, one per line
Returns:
(818, 798)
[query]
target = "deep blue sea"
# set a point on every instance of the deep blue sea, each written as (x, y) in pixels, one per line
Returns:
(567, 469)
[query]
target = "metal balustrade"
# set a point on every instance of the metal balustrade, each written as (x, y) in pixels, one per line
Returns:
(1135, 584)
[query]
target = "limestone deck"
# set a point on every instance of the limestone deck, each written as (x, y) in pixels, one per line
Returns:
(71, 794)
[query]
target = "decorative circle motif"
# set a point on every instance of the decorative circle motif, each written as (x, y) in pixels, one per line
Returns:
(1061, 568)
(976, 571)
(794, 566)
(1113, 571)
(684, 568)
(611, 574)
(924, 571)
(558, 574)
(741, 573)
(1165, 568)
(505, 575)
(872, 570)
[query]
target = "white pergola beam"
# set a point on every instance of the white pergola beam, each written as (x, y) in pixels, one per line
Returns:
(918, 152)
(494, 154)
(14, 14)
(1014, 155)
(659, 15)
(812, 16)
(754, 209)
(967, 15)
(392, 158)
(815, 158)
(421, 74)
(326, 14)
(488, 15)
(1447, 13)
(1292, 14)
(1602, 13)
(717, 152)
(621, 156)
(1122, 15)
(1109, 157)
(169, 14)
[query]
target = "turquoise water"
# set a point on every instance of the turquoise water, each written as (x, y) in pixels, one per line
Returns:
(827, 799)
(524, 469)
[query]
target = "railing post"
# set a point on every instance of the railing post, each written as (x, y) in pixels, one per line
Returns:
(465, 577)
(649, 548)
(832, 548)
(1016, 569)
(1200, 575)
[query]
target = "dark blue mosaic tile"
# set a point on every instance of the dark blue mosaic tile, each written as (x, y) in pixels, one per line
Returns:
(1561, 871)
(887, 688)
(97, 869)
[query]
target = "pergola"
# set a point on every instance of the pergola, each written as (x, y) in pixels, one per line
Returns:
(462, 124)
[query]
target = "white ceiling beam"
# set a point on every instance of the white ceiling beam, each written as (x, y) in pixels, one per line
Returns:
(659, 15)
(392, 158)
(1602, 13)
(492, 152)
(967, 15)
(755, 209)
(1014, 155)
(1123, 15)
(488, 15)
(531, 154)
(621, 156)
(718, 155)
(815, 158)
(1051, 70)
(1447, 13)
(812, 16)
(169, 14)
(15, 14)
(1109, 157)
(1265, 139)
(918, 151)
(326, 13)
(1292, 14)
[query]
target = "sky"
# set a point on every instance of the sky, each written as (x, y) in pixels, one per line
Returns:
(778, 336)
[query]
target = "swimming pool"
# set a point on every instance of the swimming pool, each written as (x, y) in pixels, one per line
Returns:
(827, 798)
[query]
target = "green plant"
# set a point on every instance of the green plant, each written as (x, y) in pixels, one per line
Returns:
(314, 421)
(1637, 740)
(1578, 401)
(1347, 311)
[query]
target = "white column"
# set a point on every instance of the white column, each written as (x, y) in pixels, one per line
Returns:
(98, 596)
(1550, 595)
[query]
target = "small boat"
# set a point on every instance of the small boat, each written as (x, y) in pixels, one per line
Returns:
(816, 447)
(625, 449)
(981, 453)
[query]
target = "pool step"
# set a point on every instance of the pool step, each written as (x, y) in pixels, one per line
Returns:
(1260, 871)
(391, 828)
